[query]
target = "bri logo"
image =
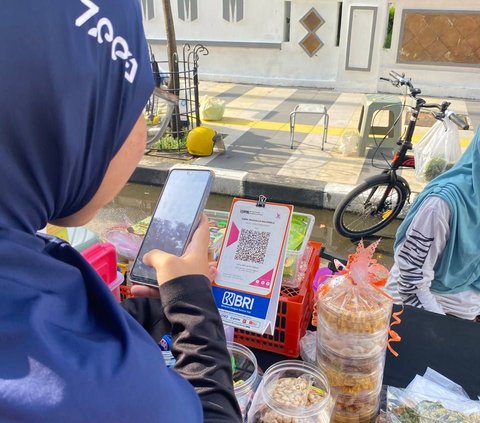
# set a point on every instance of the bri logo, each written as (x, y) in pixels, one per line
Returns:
(235, 300)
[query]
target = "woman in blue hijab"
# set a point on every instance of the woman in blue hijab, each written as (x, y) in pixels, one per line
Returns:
(437, 247)
(75, 76)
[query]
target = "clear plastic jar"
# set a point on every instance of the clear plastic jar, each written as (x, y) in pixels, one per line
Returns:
(367, 417)
(361, 366)
(353, 345)
(348, 308)
(354, 406)
(292, 391)
(353, 383)
(246, 375)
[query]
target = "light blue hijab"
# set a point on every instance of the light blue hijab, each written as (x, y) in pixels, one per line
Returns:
(459, 268)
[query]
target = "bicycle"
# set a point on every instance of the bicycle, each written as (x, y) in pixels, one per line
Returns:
(377, 201)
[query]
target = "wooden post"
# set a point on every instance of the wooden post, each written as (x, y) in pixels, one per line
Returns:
(174, 80)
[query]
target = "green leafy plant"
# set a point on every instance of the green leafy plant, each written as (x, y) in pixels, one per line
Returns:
(168, 142)
(388, 37)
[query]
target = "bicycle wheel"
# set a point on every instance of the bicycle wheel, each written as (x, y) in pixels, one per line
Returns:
(370, 207)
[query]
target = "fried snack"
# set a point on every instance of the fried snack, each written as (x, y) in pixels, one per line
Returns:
(292, 392)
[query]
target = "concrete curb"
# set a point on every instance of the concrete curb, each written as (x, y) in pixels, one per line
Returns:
(299, 191)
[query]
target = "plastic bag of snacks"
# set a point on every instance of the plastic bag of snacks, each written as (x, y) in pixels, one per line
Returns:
(353, 301)
(407, 407)
(292, 392)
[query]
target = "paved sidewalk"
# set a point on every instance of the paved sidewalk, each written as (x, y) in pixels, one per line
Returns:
(258, 159)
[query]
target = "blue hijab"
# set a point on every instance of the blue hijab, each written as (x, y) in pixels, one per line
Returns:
(68, 352)
(459, 267)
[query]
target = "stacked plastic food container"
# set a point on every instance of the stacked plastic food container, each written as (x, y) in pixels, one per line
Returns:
(352, 333)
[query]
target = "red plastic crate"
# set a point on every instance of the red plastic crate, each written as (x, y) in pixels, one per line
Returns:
(293, 314)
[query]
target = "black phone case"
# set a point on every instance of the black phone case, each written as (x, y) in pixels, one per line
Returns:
(150, 282)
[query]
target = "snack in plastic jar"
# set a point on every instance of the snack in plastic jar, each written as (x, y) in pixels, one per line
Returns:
(353, 302)
(362, 366)
(352, 308)
(352, 406)
(351, 345)
(246, 375)
(370, 417)
(353, 383)
(292, 391)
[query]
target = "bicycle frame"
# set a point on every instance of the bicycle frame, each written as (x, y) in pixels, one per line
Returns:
(386, 206)
(401, 158)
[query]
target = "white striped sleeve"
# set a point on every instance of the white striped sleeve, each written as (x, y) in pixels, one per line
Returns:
(418, 254)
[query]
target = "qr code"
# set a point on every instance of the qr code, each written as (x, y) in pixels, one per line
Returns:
(252, 246)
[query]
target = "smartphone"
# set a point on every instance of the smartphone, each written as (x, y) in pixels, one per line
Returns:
(175, 219)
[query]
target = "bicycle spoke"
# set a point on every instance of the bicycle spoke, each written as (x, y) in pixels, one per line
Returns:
(364, 212)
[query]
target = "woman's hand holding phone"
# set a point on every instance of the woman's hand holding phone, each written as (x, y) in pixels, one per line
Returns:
(168, 266)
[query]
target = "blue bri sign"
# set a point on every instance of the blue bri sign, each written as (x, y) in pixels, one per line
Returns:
(246, 304)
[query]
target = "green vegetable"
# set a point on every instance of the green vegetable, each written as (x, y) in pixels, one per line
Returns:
(435, 167)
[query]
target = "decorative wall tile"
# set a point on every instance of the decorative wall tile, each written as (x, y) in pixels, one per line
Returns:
(440, 37)
(312, 21)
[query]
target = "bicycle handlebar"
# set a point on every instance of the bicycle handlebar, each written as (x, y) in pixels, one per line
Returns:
(400, 80)
(458, 121)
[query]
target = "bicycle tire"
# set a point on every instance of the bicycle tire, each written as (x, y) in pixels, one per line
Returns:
(381, 218)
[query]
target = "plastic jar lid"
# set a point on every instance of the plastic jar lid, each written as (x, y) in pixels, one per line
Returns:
(363, 365)
(315, 379)
(361, 404)
(368, 417)
(353, 383)
(354, 308)
(345, 321)
(351, 345)
(244, 368)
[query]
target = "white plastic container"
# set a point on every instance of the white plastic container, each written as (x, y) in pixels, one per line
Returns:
(229, 332)
(246, 375)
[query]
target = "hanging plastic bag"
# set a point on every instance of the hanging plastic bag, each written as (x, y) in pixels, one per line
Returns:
(437, 151)
(211, 108)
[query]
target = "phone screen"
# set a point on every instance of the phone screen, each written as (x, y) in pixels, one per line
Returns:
(175, 218)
